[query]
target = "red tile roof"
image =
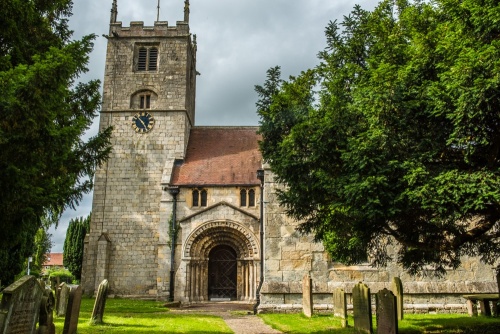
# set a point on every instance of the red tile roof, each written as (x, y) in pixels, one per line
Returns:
(54, 259)
(218, 156)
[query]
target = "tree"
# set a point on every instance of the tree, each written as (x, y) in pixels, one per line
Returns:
(73, 245)
(394, 138)
(45, 164)
(42, 244)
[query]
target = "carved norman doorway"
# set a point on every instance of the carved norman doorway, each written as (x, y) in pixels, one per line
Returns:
(222, 262)
(222, 273)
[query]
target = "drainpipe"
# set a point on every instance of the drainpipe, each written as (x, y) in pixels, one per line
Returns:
(260, 176)
(174, 191)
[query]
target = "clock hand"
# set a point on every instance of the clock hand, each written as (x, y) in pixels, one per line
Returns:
(140, 120)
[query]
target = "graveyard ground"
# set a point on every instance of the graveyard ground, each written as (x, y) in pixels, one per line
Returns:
(133, 316)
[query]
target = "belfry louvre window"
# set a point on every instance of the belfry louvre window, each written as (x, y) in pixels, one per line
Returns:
(200, 197)
(147, 59)
(247, 197)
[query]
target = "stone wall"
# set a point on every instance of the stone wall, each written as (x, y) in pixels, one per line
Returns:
(127, 206)
(222, 215)
(289, 256)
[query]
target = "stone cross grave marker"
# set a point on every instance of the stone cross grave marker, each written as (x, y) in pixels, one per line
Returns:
(46, 322)
(62, 300)
(73, 309)
(307, 299)
(100, 302)
(397, 289)
(340, 305)
(20, 306)
(361, 301)
(387, 314)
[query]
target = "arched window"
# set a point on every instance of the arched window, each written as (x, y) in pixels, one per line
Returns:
(247, 197)
(243, 197)
(251, 197)
(203, 196)
(200, 197)
(196, 198)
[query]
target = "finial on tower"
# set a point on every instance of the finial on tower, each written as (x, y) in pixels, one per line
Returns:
(114, 12)
(186, 11)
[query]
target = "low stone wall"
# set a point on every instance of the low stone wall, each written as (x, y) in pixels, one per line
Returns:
(323, 303)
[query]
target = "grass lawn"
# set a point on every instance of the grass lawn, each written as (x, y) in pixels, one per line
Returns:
(134, 317)
(412, 324)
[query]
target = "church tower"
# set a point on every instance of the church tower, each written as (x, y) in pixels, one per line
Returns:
(149, 99)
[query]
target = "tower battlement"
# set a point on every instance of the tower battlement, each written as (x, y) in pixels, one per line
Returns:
(160, 29)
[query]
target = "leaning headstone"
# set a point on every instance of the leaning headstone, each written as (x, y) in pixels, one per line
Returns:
(20, 306)
(397, 288)
(340, 305)
(307, 299)
(362, 309)
(46, 322)
(73, 309)
(100, 303)
(62, 301)
(387, 314)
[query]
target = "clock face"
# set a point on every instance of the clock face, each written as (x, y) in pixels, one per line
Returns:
(143, 122)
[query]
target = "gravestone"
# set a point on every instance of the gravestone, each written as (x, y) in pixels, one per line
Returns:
(397, 289)
(362, 309)
(62, 300)
(73, 309)
(307, 299)
(387, 314)
(100, 303)
(20, 306)
(340, 305)
(46, 322)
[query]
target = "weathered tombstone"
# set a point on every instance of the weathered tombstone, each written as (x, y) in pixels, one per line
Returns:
(362, 309)
(387, 313)
(46, 322)
(62, 301)
(397, 289)
(20, 306)
(100, 303)
(307, 299)
(340, 305)
(472, 308)
(73, 309)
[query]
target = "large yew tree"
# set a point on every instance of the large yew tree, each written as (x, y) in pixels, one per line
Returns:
(45, 165)
(395, 136)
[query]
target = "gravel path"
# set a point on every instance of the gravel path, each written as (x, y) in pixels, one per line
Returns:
(238, 316)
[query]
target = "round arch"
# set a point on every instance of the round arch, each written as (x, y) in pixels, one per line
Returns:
(216, 234)
(208, 235)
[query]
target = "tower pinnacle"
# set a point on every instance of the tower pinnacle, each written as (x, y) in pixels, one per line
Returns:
(186, 11)
(114, 12)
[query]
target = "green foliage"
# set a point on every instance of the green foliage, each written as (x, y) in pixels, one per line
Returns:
(42, 247)
(73, 245)
(63, 275)
(394, 139)
(173, 230)
(45, 164)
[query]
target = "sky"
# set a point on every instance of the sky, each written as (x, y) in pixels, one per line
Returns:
(238, 41)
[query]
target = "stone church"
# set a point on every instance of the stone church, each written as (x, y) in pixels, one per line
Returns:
(188, 213)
